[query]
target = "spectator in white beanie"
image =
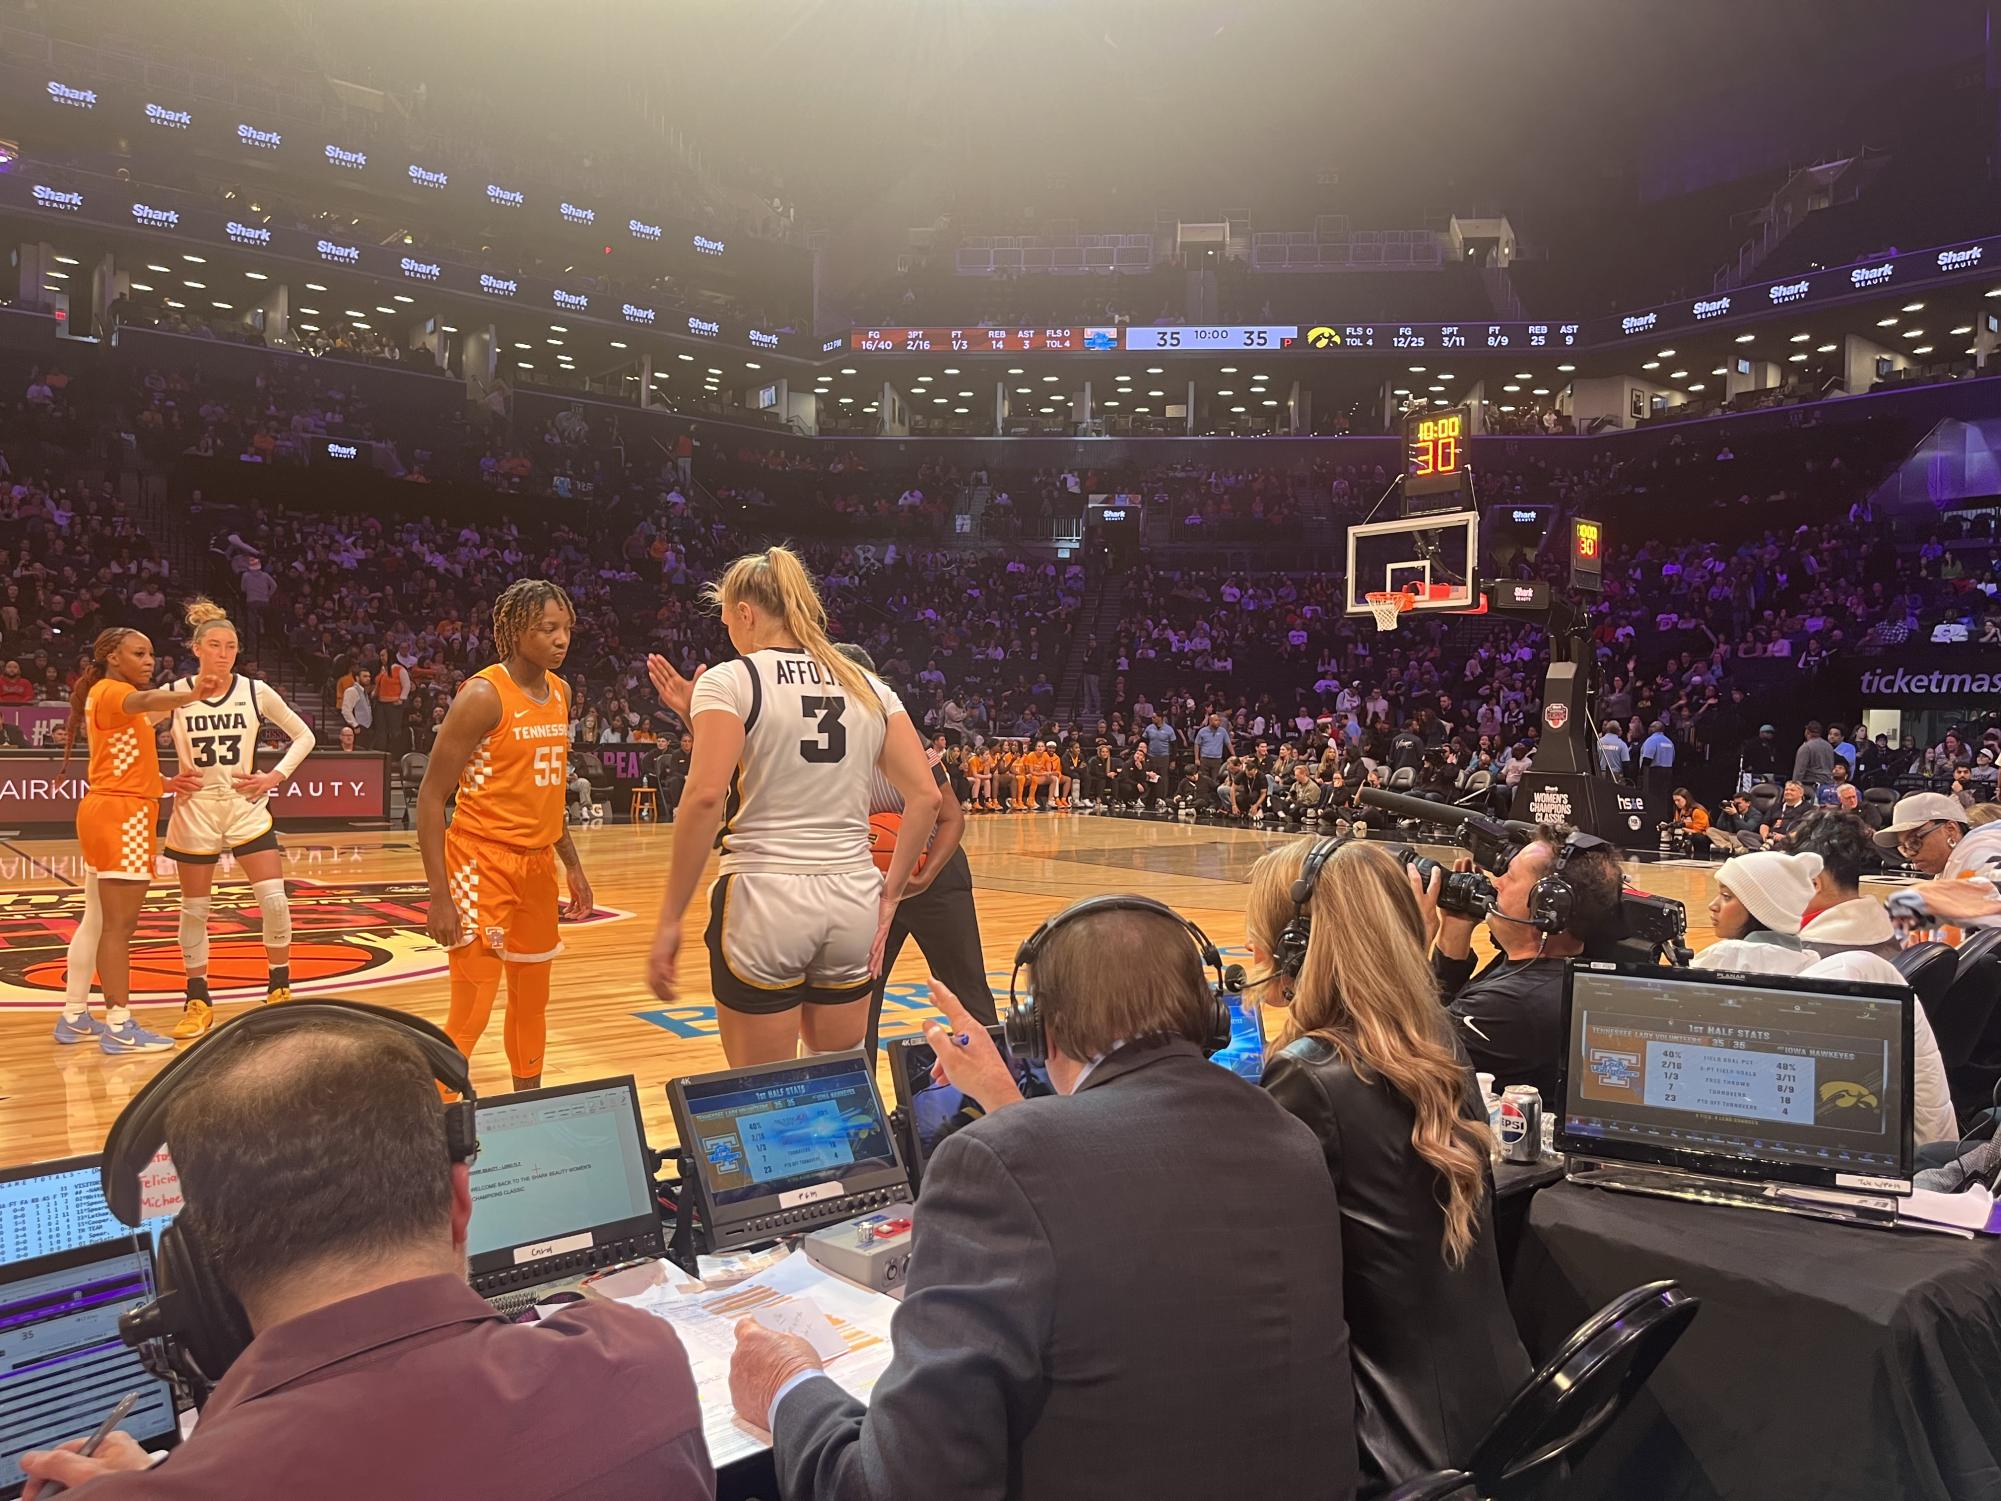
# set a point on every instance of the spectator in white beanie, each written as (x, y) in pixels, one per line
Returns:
(1761, 903)
(1761, 900)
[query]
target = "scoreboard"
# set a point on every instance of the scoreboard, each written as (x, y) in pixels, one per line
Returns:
(980, 340)
(1587, 555)
(1435, 453)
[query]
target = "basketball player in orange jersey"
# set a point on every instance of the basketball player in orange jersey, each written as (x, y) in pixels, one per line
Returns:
(1046, 771)
(117, 825)
(979, 779)
(504, 746)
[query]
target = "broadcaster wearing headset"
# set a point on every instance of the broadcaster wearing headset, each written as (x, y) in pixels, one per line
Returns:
(316, 1275)
(1510, 1014)
(1129, 1288)
(1361, 1052)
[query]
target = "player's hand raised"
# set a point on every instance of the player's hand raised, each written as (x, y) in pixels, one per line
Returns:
(675, 691)
(212, 685)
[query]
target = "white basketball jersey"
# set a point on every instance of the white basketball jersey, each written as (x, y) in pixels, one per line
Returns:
(218, 737)
(800, 798)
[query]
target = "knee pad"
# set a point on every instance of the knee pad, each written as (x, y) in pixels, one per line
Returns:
(274, 911)
(194, 932)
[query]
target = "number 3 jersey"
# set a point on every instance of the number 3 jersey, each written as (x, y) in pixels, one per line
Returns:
(513, 789)
(800, 798)
(218, 736)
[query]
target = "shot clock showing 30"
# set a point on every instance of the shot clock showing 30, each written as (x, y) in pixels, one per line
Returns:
(1435, 450)
(1587, 554)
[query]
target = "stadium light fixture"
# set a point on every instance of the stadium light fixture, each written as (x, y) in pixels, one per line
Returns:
(173, 304)
(311, 328)
(1651, 365)
(1566, 369)
(159, 270)
(1914, 307)
(1438, 388)
(1445, 375)
(1156, 393)
(1016, 370)
(749, 366)
(523, 365)
(1156, 370)
(1270, 402)
(1049, 378)
(616, 344)
(193, 286)
(688, 357)
(140, 286)
(224, 306)
(1540, 391)
(1825, 348)
(449, 328)
(847, 370)
(399, 297)
(313, 286)
(1800, 338)
(1719, 370)
(1922, 349)
(1417, 369)
(1667, 354)
(965, 393)
(1886, 322)
(1108, 402)
(1964, 328)
(557, 328)
(1507, 409)
(963, 411)
(1995, 293)
(519, 345)
(939, 401)
(1745, 338)
(67, 260)
(1682, 374)
(194, 260)
(1142, 409)
(848, 401)
(921, 380)
(1511, 387)
(369, 326)
(1524, 375)
(62, 275)
(1226, 370)
(714, 371)
(1236, 409)
(1023, 390)
(558, 343)
(1401, 391)
(951, 370)
(1696, 386)
(255, 276)
(1914, 333)
(1221, 392)
(1795, 359)
(390, 311)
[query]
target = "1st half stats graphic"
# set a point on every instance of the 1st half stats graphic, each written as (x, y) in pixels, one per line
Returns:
(346, 936)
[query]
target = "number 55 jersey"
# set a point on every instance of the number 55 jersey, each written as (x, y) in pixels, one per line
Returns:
(218, 738)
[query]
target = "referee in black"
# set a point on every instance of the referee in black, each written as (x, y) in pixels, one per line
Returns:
(937, 906)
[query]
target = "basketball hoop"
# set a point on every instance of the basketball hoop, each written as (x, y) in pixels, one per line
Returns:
(1386, 606)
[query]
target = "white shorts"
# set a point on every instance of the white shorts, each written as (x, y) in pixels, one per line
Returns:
(205, 825)
(778, 939)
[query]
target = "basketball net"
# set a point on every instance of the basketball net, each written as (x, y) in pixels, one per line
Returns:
(1386, 607)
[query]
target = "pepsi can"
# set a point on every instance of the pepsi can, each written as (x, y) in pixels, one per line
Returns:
(1520, 1125)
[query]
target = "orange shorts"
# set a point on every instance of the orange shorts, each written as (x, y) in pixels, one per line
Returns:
(507, 897)
(119, 835)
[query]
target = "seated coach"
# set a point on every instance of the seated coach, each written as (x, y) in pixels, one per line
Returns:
(1131, 1287)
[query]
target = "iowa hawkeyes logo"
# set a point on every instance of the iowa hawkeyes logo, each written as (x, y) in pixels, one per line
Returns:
(1323, 337)
(346, 936)
(1842, 1095)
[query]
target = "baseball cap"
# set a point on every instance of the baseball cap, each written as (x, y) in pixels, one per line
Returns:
(1915, 811)
(1768, 729)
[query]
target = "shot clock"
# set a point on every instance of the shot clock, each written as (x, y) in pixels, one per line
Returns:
(1436, 448)
(1587, 555)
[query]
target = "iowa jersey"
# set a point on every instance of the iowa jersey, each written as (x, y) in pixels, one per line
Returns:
(513, 789)
(218, 736)
(801, 795)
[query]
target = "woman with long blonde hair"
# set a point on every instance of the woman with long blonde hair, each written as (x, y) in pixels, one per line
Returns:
(786, 736)
(1361, 1051)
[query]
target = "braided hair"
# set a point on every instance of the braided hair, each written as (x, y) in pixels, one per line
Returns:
(107, 642)
(520, 607)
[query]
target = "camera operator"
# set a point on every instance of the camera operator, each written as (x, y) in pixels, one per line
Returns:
(318, 1180)
(1511, 1013)
(1063, 1333)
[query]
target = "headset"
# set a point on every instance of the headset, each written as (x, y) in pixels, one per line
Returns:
(1289, 955)
(194, 1327)
(1552, 900)
(1026, 1032)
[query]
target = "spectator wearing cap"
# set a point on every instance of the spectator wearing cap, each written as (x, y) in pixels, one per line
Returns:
(1761, 900)
(1929, 829)
(1761, 755)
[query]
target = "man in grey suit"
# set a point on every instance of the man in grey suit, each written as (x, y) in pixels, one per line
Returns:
(1130, 1288)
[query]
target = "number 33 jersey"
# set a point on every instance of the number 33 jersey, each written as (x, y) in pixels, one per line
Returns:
(218, 736)
(800, 798)
(513, 789)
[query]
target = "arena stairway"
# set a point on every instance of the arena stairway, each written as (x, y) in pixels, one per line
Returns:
(1100, 618)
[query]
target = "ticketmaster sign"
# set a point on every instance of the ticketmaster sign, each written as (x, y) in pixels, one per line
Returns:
(1902, 683)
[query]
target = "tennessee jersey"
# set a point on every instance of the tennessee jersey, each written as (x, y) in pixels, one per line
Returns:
(123, 758)
(800, 798)
(512, 789)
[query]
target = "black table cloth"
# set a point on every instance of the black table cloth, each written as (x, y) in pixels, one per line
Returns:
(1827, 1360)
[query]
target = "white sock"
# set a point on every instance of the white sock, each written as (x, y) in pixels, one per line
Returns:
(82, 953)
(118, 1016)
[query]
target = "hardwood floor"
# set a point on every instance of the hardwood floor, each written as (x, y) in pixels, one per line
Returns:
(359, 927)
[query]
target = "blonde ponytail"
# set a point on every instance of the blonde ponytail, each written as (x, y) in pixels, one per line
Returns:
(202, 615)
(778, 584)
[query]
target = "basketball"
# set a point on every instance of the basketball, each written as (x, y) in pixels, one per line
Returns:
(883, 829)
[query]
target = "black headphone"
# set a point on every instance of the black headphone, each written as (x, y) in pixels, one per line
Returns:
(1026, 1033)
(195, 1327)
(1289, 956)
(1552, 900)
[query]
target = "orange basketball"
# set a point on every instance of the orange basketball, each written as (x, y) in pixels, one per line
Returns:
(883, 829)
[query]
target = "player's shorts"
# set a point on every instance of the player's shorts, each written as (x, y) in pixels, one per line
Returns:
(203, 826)
(777, 939)
(507, 897)
(118, 835)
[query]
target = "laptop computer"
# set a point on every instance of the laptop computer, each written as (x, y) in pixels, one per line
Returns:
(561, 1189)
(1708, 1084)
(62, 1364)
(785, 1148)
(47, 1207)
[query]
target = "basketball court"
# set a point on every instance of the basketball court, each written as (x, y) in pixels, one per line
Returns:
(358, 911)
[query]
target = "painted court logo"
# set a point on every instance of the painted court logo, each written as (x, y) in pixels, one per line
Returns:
(346, 937)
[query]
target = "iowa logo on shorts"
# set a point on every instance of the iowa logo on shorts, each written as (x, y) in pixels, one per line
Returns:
(346, 936)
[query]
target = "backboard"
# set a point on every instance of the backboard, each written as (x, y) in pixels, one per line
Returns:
(1434, 557)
